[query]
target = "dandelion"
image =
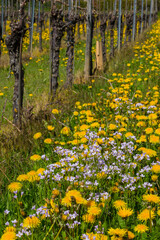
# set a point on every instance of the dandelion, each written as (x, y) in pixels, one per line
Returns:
(40, 171)
(55, 111)
(154, 139)
(31, 222)
(117, 232)
(141, 228)
(152, 116)
(75, 113)
(95, 125)
(48, 140)
(93, 210)
(154, 178)
(130, 235)
(55, 192)
(149, 130)
(145, 215)
(65, 131)
(35, 157)
(151, 198)
(9, 236)
(156, 168)
(73, 194)
(124, 212)
(15, 186)
(157, 131)
(50, 127)
(88, 218)
(37, 135)
(112, 127)
(128, 134)
(33, 176)
(84, 127)
(148, 151)
(119, 204)
(22, 177)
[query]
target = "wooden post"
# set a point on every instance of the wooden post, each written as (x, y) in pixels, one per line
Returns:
(134, 20)
(32, 22)
(99, 56)
(2, 15)
(115, 6)
(20, 85)
(146, 14)
(151, 11)
(142, 17)
(88, 53)
(119, 24)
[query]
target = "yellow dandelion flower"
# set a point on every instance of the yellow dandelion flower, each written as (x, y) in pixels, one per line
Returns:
(125, 212)
(151, 198)
(95, 125)
(65, 131)
(117, 231)
(35, 157)
(158, 212)
(148, 151)
(154, 178)
(112, 127)
(9, 236)
(37, 135)
(97, 236)
(128, 134)
(119, 204)
(73, 194)
(84, 127)
(146, 214)
(48, 140)
(154, 139)
(88, 218)
(22, 177)
(99, 141)
(91, 203)
(33, 176)
(15, 186)
(152, 116)
(31, 222)
(94, 210)
(122, 130)
(157, 131)
(84, 140)
(40, 171)
(149, 130)
(55, 192)
(50, 127)
(55, 111)
(141, 228)
(75, 113)
(130, 235)
(156, 168)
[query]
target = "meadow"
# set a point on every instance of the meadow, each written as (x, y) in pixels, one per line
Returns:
(92, 172)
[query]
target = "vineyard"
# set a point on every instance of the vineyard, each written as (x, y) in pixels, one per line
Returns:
(79, 123)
